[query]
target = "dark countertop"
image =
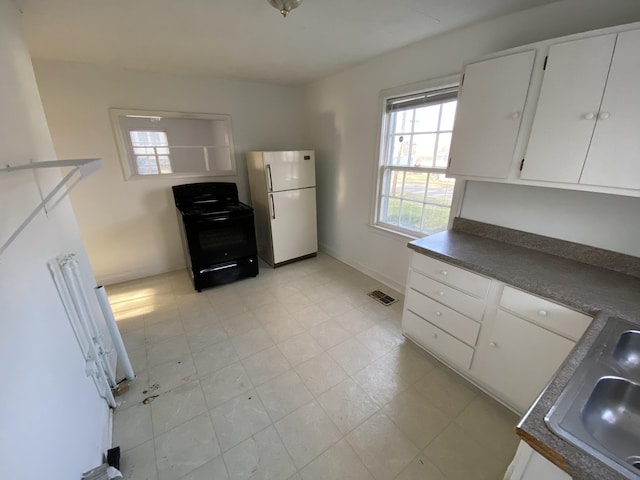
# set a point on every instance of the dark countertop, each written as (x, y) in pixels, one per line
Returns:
(594, 290)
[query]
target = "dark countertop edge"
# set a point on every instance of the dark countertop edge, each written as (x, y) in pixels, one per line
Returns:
(532, 428)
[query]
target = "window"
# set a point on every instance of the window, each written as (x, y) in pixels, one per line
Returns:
(150, 152)
(414, 195)
(159, 144)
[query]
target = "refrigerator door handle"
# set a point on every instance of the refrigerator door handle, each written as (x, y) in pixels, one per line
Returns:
(270, 179)
(273, 208)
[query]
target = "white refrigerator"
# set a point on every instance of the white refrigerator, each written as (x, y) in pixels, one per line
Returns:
(283, 196)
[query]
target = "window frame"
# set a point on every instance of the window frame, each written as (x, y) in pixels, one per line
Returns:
(127, 159)
(382, 154)
(155, 154)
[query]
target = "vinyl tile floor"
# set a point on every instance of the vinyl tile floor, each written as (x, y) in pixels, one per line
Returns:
(295, 374)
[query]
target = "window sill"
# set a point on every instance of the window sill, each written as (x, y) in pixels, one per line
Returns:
(394, 234)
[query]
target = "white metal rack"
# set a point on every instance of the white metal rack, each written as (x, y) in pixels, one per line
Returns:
(83, 167)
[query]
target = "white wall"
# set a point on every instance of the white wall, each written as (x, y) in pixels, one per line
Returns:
(611, 222)
(130, 228)
(53, 424)
(342, 125)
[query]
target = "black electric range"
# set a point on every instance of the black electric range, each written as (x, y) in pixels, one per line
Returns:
(218, 233)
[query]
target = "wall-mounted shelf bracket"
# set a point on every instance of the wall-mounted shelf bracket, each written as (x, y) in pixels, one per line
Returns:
(80, 168)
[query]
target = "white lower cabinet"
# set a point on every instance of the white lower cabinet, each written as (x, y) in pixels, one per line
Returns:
(519, 359)
(507, 341)
(443, 309)
(530, 465)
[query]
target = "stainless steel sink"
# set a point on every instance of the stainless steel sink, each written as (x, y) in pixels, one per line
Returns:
(627, 351)
(599, 409)
(612, 415)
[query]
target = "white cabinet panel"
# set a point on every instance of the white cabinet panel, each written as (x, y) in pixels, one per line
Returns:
(614, 155)
(519, 359)
(489, 113)
(470, 306)
(530, 465)
(572, 89)
(552, 316)
(436, 340)
(446, 273)
(293, 224)
(443, 317)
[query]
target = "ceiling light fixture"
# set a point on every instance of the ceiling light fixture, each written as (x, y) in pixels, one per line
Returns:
(285, 6)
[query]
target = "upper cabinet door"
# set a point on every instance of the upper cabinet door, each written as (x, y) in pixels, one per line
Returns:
(614, 154)
(572, 89)
(488, 115)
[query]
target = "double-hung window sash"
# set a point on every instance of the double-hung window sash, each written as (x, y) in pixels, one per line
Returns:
(414, 194)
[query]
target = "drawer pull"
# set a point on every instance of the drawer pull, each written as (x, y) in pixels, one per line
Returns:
(543, 313)
(441, 294)
(435, 335)
(439, 313)
(443, 272)
(493, 344)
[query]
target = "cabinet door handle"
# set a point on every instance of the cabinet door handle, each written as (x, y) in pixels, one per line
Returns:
(543, 313)
(604, 115)
(439, 313)
(441, 294)
(444, 273)
(515, 115)
(589, 116)
(493, 344)
(435, 335)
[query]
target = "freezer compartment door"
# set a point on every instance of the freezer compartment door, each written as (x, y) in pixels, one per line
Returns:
(290, 170)
(293, 224)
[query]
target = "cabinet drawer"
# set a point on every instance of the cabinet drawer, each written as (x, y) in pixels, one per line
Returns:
(456, 277)
(557, 318)
(466, 304)
(443, 317)
(436, 340)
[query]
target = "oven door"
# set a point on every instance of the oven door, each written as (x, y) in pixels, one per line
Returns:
(217, 240)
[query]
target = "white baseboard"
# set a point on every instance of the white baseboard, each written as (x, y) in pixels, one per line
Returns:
(382, 278)
(110, 430)
(135, 274)
(148, 272)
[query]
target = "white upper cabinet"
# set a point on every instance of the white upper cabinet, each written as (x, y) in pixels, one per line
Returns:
(489, 113)
(614, 154)
(560, 113)
(572, 90)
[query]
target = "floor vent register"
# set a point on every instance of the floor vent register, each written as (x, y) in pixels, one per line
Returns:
(382, 297)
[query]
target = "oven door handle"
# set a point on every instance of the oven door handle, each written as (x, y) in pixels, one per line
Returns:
(273, 208)
(270, 179)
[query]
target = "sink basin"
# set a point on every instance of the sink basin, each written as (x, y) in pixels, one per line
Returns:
(627, 350)
(612, 416)
(599, 409)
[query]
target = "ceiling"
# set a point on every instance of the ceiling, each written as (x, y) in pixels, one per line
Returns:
(242, 39)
